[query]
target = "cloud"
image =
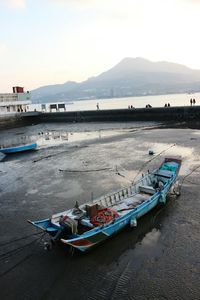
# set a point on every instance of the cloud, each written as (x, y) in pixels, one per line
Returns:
(80, 4)
(114, 9)
(189, 2)
(194, 1)
(15, 3)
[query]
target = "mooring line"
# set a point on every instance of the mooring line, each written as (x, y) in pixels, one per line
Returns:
(16, 250)
(19, 239)
(22, 260)
(146, 163)
(83, 171)
(183, 179)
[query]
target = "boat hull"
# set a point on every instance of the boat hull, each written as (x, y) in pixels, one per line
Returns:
(91, 239)
(20, 148)
(87, 242)
(168, 171)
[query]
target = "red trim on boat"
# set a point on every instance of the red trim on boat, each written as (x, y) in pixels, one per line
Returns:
(83, 242)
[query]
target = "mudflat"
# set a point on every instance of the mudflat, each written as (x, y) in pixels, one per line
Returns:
(160, 259)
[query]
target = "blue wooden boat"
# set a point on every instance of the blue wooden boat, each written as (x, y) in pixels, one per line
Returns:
(102, 218)
(19, 148)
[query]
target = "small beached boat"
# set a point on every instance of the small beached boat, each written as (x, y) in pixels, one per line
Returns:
(94, 222)
(19, 148)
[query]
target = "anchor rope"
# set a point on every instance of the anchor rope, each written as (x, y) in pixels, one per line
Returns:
(145, 164)
(22, 260)
(150, 160)
(14, 251)
(180, 186)
(187, 175)
(19, 239)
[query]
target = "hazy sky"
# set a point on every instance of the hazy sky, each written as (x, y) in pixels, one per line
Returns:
(52, 41)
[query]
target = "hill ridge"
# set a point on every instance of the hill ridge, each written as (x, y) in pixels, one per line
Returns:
(130, 77)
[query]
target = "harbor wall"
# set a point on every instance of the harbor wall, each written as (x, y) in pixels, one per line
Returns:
(14, 120)
(177, 114)
(188, 114)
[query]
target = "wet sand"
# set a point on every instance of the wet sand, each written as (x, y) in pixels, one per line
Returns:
(160, 259)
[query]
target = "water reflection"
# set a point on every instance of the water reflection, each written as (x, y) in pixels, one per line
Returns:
(150, 239)
(16, 141)
(53, 138)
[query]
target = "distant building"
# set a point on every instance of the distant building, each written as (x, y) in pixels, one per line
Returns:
(18, 101)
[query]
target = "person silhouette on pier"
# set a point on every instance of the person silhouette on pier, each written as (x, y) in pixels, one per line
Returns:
(97, 106)
(191, 101)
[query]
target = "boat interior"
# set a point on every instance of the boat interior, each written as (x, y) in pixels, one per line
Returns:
(121, 202)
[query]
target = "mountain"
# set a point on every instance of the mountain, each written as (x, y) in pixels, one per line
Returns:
(49, 91)
(130, 77)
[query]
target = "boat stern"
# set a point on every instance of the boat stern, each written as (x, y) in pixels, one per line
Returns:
(45, 225)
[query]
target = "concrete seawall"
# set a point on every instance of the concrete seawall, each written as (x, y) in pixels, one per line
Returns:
(188, 114)
(18, 119)
(185, 113)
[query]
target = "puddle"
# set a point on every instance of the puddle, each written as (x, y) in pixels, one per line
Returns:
(149, 241)
(150, 248)
(57, 138)
(54, 138)
(31, 192)
(15, 141)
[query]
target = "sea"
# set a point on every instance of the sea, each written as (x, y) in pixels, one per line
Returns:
(121, 103)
